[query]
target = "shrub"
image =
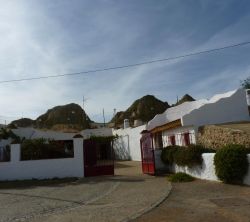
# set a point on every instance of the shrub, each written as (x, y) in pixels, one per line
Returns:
(231, 163)
(207, 150)
(184, 156)
(167, 154)
(36, 149)
(180, 177)
(189, 156)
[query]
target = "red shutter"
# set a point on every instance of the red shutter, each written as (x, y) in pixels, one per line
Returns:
(172, 139)
(186, 139)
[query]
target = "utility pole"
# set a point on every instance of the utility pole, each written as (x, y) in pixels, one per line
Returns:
(103, 116)
(83, 101)
(114, 118)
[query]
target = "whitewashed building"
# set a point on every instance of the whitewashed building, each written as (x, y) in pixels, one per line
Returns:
(179, 125)
(32, 133)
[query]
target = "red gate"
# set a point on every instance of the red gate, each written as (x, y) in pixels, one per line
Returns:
(98, 158)
(147, 154)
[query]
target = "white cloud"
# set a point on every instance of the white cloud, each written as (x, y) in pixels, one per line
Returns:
(38, 41)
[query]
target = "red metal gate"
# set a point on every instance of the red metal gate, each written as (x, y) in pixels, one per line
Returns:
(147, 154)
(98, 158)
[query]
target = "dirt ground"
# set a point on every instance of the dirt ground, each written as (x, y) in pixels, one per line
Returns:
(202, 201)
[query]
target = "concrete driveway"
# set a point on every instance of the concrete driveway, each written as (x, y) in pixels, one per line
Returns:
(203, 201)
(110, 198)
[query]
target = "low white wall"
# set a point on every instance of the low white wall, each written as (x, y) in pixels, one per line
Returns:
(127, 146)
(247, 177)
(43, 169)
(207, 169)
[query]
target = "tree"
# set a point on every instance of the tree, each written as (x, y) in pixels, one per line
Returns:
(246, 83)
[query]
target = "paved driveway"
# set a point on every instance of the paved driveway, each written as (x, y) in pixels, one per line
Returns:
(110, 198)
(203, 201)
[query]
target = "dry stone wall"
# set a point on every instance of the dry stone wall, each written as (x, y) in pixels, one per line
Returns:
(216, 137)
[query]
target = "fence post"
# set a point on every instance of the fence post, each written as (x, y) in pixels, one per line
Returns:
(78, 154)
(15, 152)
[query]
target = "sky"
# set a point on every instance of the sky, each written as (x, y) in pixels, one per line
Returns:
(44, 37)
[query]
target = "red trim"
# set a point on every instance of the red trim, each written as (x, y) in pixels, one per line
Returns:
(186, 139)
(172, 140)
(147, 154)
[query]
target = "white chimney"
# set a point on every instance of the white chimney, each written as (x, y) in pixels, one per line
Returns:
(248, 97)
(126, 123)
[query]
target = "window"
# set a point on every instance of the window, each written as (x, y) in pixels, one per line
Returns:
(186, 139)
(172, 140)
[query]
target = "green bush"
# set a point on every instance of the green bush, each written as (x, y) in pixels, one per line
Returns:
(207, 150)
(184, 156)
(36, 149)
(180, 177)
(167, 154)
(7, 133)
(231, 163)
(189, 156)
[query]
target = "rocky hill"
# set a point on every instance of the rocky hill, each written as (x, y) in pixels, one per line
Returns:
(71, 115)
(63, 118)
(23, 122)
(185, 98)
(143, 109)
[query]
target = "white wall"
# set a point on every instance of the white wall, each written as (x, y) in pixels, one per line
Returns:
(127, 146)
(177, 132)
(207, 169)
(247, 177)
(4, 142)
(229, 109)
(43, 169)
(96, 132)
(32, 133)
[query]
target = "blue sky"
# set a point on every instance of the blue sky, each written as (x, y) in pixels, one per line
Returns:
(52, 37)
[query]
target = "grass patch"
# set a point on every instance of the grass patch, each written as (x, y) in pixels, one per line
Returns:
(180, 177)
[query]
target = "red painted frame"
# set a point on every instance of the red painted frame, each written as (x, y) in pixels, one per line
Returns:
(147, 154)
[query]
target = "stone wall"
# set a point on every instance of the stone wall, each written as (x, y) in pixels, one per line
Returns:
(215, 137)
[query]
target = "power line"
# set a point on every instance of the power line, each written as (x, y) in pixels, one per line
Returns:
(129, 65)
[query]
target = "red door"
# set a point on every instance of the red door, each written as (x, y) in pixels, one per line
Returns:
(147, 154)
